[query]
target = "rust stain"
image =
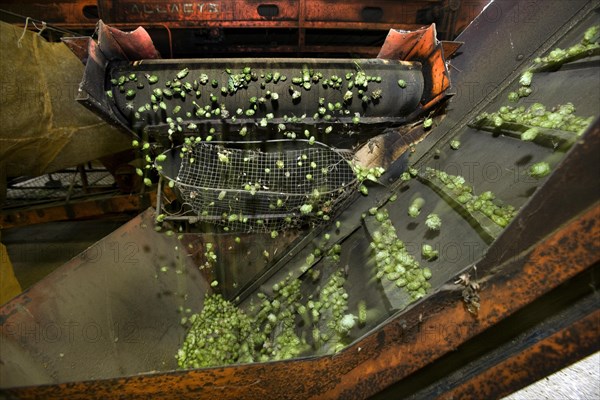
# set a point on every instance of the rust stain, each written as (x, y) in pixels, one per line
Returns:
(317, 14)
(541, 359)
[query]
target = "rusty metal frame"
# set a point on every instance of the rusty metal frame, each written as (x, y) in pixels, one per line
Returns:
(73, 210)
(552, 332)
(568, 345)
(300, 16)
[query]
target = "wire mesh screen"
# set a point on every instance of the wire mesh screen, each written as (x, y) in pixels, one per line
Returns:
(263, 186)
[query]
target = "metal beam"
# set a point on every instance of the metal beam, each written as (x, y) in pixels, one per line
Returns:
(88, 208)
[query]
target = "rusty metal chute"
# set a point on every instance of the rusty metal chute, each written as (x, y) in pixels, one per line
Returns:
(536, 278)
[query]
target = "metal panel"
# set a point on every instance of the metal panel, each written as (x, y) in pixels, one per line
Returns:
(100, 313)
